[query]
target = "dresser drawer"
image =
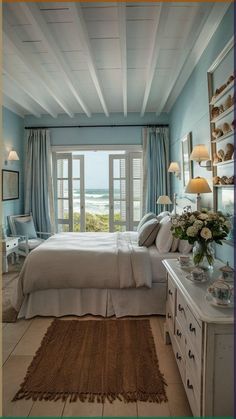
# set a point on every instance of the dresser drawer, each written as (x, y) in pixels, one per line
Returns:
(169, 319)
(181, 307)
(194, 333)
(179, 335)
(179, 357)
(193, 363)
(9, 245)
(171, 295)
(193, 393)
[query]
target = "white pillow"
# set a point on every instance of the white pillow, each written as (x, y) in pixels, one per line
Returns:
(185, 247)
(145, 218)
(148, 232)
(164, 237)
(162, 215)
(175, 245)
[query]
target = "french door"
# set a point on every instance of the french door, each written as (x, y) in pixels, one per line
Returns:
(125, 195)
(69, 192)
(125, 180)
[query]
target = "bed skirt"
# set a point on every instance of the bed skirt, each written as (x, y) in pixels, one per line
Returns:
(102, 302)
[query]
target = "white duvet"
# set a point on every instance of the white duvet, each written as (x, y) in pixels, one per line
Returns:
(85, 260)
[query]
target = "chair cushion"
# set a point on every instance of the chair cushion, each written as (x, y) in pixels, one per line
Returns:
(164, 238)
(25, 227)
(32, 244)
(145, 219)
(148, 232)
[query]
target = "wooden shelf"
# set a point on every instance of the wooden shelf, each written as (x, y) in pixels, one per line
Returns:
(223, 137)
(223, 186)
(222, 94)
(222, 163)
(222, 115)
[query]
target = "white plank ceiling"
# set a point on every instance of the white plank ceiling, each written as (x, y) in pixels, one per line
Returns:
(102, 57)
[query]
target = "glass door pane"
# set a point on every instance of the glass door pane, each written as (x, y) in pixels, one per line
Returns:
(118, 193)
(136, 173)
(78, 193)
(62, 192)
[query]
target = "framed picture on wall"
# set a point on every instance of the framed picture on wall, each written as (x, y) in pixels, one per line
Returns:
(186, 148)
(10, 185)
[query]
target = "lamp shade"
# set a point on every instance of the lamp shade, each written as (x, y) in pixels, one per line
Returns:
(200, 153)
(174, 167)
(164, 200)
(13, 155)
(198, 185)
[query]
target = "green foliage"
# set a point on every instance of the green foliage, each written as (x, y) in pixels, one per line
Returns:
(94, 222)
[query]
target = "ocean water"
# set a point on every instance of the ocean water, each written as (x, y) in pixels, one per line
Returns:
(96, 201)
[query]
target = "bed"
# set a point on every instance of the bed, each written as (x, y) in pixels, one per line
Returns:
(102, 274)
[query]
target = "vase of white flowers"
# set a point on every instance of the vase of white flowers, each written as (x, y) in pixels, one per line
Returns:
(201, 229)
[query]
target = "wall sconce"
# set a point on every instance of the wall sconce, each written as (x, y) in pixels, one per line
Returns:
(200, 154)
(13, 156)
(164, 200)
(174, 168)
(197, 186)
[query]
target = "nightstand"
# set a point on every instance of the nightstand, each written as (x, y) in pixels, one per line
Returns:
(202, 338)
(9, 247)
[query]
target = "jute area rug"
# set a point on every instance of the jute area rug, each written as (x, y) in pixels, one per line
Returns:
(94, 361)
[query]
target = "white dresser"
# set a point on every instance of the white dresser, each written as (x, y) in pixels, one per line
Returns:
(202, 338)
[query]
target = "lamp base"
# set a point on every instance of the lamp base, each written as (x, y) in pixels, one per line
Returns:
(198, 202)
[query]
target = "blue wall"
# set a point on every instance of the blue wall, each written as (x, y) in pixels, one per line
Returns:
(190, 113)
(13, 137)
(93, 136)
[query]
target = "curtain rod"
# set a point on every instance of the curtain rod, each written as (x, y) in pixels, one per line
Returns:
(100, 126)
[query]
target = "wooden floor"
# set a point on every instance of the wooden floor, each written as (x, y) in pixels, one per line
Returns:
(22, 339)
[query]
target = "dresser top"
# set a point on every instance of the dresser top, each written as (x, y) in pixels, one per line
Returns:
(195, 293)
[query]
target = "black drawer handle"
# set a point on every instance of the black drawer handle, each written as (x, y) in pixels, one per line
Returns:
(180, 308)
(170, 292)
(191, 328)
(190, 354)
(179, 333)
(189, 385)
(8, 245)
(168, 316)
(178, 356)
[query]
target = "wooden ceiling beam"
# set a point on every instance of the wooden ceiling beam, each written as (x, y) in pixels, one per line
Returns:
(33, 65)
(123, 48)
(34, 16)
(82, 32)
(155, 51)
(13, 78)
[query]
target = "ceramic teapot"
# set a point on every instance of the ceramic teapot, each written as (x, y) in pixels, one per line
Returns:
(221, 292)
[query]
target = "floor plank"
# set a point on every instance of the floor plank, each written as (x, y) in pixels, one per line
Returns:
(119, 408)
(13, 372)
(31, 340)
(47, 408)
(178, 402)
(153, 409)
(11, 335)
(83, 409)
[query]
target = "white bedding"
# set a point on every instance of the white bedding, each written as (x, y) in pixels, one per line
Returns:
(85, 260)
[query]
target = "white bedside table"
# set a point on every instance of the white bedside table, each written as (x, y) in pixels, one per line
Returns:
(9, 247)
(202, 338)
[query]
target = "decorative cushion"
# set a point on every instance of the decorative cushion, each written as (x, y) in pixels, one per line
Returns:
(32, 244)
(164, 237)
(145, 218)
(148, 232)
(185, 247)
(175, 245)
(25, 228)
(162, 215)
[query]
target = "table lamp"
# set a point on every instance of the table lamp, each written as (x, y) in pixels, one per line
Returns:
(198, 185)
(164, 200)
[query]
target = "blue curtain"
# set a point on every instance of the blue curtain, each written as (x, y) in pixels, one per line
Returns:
(38, 180)
(155, 166)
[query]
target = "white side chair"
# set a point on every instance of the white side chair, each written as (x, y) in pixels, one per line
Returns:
(26, 243)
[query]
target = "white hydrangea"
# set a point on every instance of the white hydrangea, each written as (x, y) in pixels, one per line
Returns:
(198, 224)
(203, 216)
(192, 218)
(191, 231)
(206, 233)
(228, 224)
